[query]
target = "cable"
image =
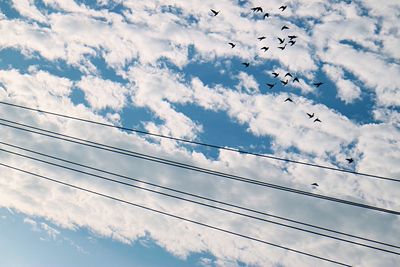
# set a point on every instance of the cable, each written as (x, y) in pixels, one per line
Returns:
(194, 168)
(200, 203)
(175, 216)
(203, 144)
(190, 194)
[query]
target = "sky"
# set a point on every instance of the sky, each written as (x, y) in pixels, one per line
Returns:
(166, 67)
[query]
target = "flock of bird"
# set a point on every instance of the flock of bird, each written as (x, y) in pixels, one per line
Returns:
(282, 46)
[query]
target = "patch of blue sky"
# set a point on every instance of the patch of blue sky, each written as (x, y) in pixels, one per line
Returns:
(8, 10)
(78, 248)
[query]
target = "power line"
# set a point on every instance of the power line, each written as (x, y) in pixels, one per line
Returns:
(191, 194)
(202, 143)
(192, 167)
(201, 203)
(175, 216)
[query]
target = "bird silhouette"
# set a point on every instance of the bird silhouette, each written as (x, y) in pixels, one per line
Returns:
(288, 99)
(284, 82)
(266, 15)
(291, 42)
(214, 12)
(246, 64)
(282, 47)
(282, 8)
(350, 160)
(315, 184)
(257, 9)
(232, 44)
(296, 80)
(284, 28)
(281, 41)
(270, 85)
(264, 48)
(317, 120)
(310, 115)
(291, 37)
(275, 74)
(318, 84)
(288, 74)
(261, 38)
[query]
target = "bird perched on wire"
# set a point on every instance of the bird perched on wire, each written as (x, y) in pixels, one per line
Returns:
(214, 12)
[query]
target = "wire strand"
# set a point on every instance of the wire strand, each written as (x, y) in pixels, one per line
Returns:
(202, 143)
(194, 195)
(175, 216)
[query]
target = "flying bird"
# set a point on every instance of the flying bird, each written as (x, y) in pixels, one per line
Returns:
(257, 9)
(232, 44)
(284, 28)
(261, 38)
(281, 41)
(214, 12)
(350, 160)
(288, 99)
(288, 74)
(318, 84)
(264, 48)
(317, 120)
(296, 80)
(315, 184)
(291, 42)
(246, 64)
(275, 74)
(310, 115)
(266, 15)
(282, 8)
(282, 47)
(291, 37)
(270, 85)
(284, 82)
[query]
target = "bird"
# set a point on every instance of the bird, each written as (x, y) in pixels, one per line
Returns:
(246, 64)
(317, 120)
(318, 84)
(282, 47)
(264, 48)
(214, 12)
(284, 82)
(275, 74)
(350, 160)
(284, 28)
(270, 85)
(232, 44)
(315, 184)
(310, 115)
(281, 41)
(257, 9)
(266, 15)
(291, 37)
(261, 38)
(296, 80)
(288, 74)
(291, 42)
(282, 8)
(288, 99)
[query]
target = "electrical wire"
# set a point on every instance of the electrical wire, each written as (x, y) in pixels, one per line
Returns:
(192, 167)
(175, 216)
(202, 143)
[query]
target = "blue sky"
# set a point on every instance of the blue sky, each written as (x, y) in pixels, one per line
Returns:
(166, 67)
